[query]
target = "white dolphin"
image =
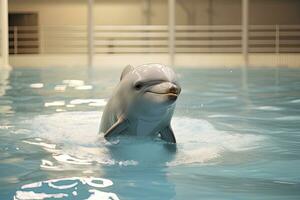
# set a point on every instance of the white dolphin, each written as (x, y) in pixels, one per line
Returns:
(142, 103)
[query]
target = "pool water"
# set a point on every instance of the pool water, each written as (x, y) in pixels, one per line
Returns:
(234, 141)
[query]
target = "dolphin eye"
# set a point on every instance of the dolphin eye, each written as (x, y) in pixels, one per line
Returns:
(138, 85)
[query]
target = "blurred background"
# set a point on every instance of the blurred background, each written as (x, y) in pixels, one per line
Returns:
(177, 32)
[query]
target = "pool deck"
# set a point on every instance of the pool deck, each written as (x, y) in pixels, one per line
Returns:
(204, 60)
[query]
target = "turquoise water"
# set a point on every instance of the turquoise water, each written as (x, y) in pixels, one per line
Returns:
(234, 142)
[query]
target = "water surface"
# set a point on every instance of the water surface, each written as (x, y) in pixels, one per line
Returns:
(234, 142)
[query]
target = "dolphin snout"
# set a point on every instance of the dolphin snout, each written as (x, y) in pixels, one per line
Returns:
(165, 88)
(173, 92)
(174, 89)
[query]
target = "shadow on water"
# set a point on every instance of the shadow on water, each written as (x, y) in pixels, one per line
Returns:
(146, 176)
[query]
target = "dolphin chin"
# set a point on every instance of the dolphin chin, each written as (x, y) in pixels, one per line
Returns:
(143, 103)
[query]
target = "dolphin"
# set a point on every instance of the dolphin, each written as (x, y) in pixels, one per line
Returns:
(142, 104)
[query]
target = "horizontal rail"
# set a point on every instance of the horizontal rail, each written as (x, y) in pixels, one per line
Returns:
(153, 39)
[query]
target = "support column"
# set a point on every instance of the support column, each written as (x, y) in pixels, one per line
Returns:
(90, 34)
(4, 33)
(171, 30)
(245, 30)
(147, 12)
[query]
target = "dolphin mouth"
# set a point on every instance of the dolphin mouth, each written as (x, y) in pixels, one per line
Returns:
(164, 93)
(168, 89)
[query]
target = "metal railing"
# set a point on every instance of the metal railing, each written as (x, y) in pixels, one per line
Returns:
(153, 39)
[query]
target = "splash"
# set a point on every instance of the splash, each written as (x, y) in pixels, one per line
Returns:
(78, 142)
(201, 143)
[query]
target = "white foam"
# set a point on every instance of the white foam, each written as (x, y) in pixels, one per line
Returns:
(84, 87)
(47, 164)
(72, 160)
(201, 155)
(198, 140)
(32, 185)
(24, 195)
(37, 85)
(288, 118)
(102, 195)
(104, 182)
(43, 144)
(295, 101)
(220, 116)
(70, 106)
(231, 97)
(60, 88)
(268, 108)
(62, 187)
(68, 127)
(54, 103)
(99, 103)
(5, 127)
(73, 83)
(92, 102)
(6, 109)
(285, 182)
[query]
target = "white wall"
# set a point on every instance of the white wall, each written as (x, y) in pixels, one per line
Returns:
(116, 12)
(130, 12)
(53, 12)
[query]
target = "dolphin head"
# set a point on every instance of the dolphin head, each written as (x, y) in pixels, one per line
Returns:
(150, 87)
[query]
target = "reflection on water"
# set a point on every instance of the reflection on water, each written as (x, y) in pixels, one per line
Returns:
(227, 147)
(5, 104)
(4, 76)
(70, 188)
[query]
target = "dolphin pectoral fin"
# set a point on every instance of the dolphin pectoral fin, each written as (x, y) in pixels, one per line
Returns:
(117, 128)
(167, 134)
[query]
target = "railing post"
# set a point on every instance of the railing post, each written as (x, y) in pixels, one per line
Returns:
(277, 42)
(277, 49)
(15, 40)
(171, 30)
(146, 11)
(277, 45)
(4, 32)
(41, 40)
(245, 30)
